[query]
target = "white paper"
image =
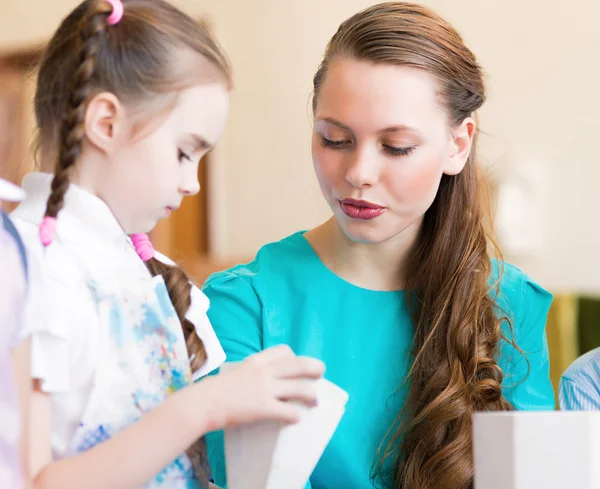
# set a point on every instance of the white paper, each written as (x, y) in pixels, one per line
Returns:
(271, 455)
(531, 450)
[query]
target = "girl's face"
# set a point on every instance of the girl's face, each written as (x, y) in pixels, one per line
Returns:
(381, 143)
(148, 176)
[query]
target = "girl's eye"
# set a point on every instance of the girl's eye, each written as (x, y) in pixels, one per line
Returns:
(182, 156)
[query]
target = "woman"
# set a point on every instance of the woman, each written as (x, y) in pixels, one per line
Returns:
(398, 292)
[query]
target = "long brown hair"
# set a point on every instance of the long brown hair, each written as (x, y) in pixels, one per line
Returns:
(450, 290)
(138, 61)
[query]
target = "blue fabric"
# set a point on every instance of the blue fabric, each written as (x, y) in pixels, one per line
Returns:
(12, 230)
(580, 385)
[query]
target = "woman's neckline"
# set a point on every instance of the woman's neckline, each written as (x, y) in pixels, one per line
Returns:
(336, 277)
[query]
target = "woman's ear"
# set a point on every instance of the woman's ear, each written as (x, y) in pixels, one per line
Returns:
(462, 140)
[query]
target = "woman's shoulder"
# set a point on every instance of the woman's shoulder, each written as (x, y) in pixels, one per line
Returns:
(243, 296)
(273, 262)
(524, 302)
(516, 287)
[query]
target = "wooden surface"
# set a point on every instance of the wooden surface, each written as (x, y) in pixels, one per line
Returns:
(16, 114)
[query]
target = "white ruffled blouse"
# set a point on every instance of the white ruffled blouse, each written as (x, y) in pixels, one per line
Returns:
(61, 315)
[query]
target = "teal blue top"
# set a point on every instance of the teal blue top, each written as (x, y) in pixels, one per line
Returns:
(287, 295)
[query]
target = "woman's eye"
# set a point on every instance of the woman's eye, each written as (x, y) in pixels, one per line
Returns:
(329, 143)
(394, 151)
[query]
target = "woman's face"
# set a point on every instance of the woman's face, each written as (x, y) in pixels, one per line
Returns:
(381, 143)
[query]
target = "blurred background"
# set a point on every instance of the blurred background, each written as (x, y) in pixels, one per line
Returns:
(540, 131)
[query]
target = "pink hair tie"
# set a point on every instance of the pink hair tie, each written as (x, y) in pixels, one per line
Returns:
(117, 12)
(47, 230)
(143, 246)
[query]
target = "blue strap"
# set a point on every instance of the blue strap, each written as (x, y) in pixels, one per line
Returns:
(12, 230)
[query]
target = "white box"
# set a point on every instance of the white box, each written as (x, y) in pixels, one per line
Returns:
(537, 450)
(271, 455)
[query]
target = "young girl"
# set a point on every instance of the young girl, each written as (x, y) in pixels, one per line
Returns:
(397, 292)
(14, 352)
(130, 96)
